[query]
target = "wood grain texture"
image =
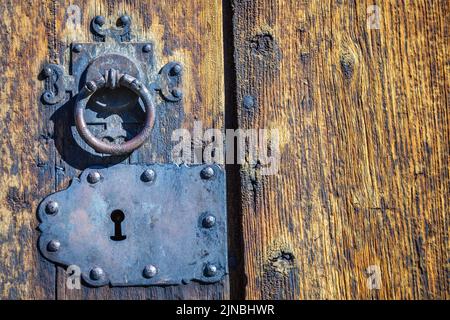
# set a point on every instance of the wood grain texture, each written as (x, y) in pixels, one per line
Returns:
(364, 127)
(363, 117)
(37, 157)
(27, 161)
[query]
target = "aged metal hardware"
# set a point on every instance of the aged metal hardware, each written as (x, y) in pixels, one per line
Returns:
(169, 81)
(129, 225)
(120, 34)
(57, 84)
(122, 228)
(112, 81)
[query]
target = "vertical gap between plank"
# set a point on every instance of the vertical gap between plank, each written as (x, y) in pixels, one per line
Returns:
(234, 203)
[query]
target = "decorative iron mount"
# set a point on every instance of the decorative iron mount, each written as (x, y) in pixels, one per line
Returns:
(111, 62)
(130, 225)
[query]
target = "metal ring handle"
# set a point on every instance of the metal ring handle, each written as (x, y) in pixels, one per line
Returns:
(113, 80)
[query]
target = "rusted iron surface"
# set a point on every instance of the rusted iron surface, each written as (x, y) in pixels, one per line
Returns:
(114, 117)
(169, 82)
(113, 112)
(122, 32)
(113, 79)
(57, 83)
(132, 225)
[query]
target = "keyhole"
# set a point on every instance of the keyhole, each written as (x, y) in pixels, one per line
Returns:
(117, 216)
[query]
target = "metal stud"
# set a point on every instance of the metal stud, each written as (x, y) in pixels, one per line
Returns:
(149, 271)
(53, 245)
(100, 20)
(52, 207)
(249, 102)
(77, 48)
(96, 273)
(94, 177)
(210, 270)
(209, 221)
(124, 20)
(147, 48)
(177, 93)
(47, 71)
(207, 173)
(176, 69)
(148, 175)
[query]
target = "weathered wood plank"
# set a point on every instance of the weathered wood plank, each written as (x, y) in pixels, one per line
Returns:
(189, 32)
(364, 127)
(27, 160)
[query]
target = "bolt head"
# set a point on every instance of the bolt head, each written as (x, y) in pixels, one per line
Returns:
(124, 20)
(147, 48)
(209, 221)
(52, 207)
(210, 270)
(77, 48)
(47, 71)
(96, 273)
(94, 177)
(148, 175)
(207, 173)
(53, 245)
(100, 20)
(176, 69)
(149, 271)
(249, 102)
(177, 93)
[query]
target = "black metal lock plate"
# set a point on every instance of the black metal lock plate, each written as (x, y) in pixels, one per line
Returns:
(131, 225)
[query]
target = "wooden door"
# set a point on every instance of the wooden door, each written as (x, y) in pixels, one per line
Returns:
(363, 182)
(33, 165)
(359, 94)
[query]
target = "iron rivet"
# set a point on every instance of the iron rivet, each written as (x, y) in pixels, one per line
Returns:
(93, 177)
(100, 20)
(147, 48)
(176, 69)
(209, 221)
(52, 207)
(148, 175)
(96, 273)
(53, 245)
(48, 71)
(150, 271)
(210, 270)
(177, 93)
(207, 173)
(91, 86)
(77, 48)
(124, 20)
(249, 102)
